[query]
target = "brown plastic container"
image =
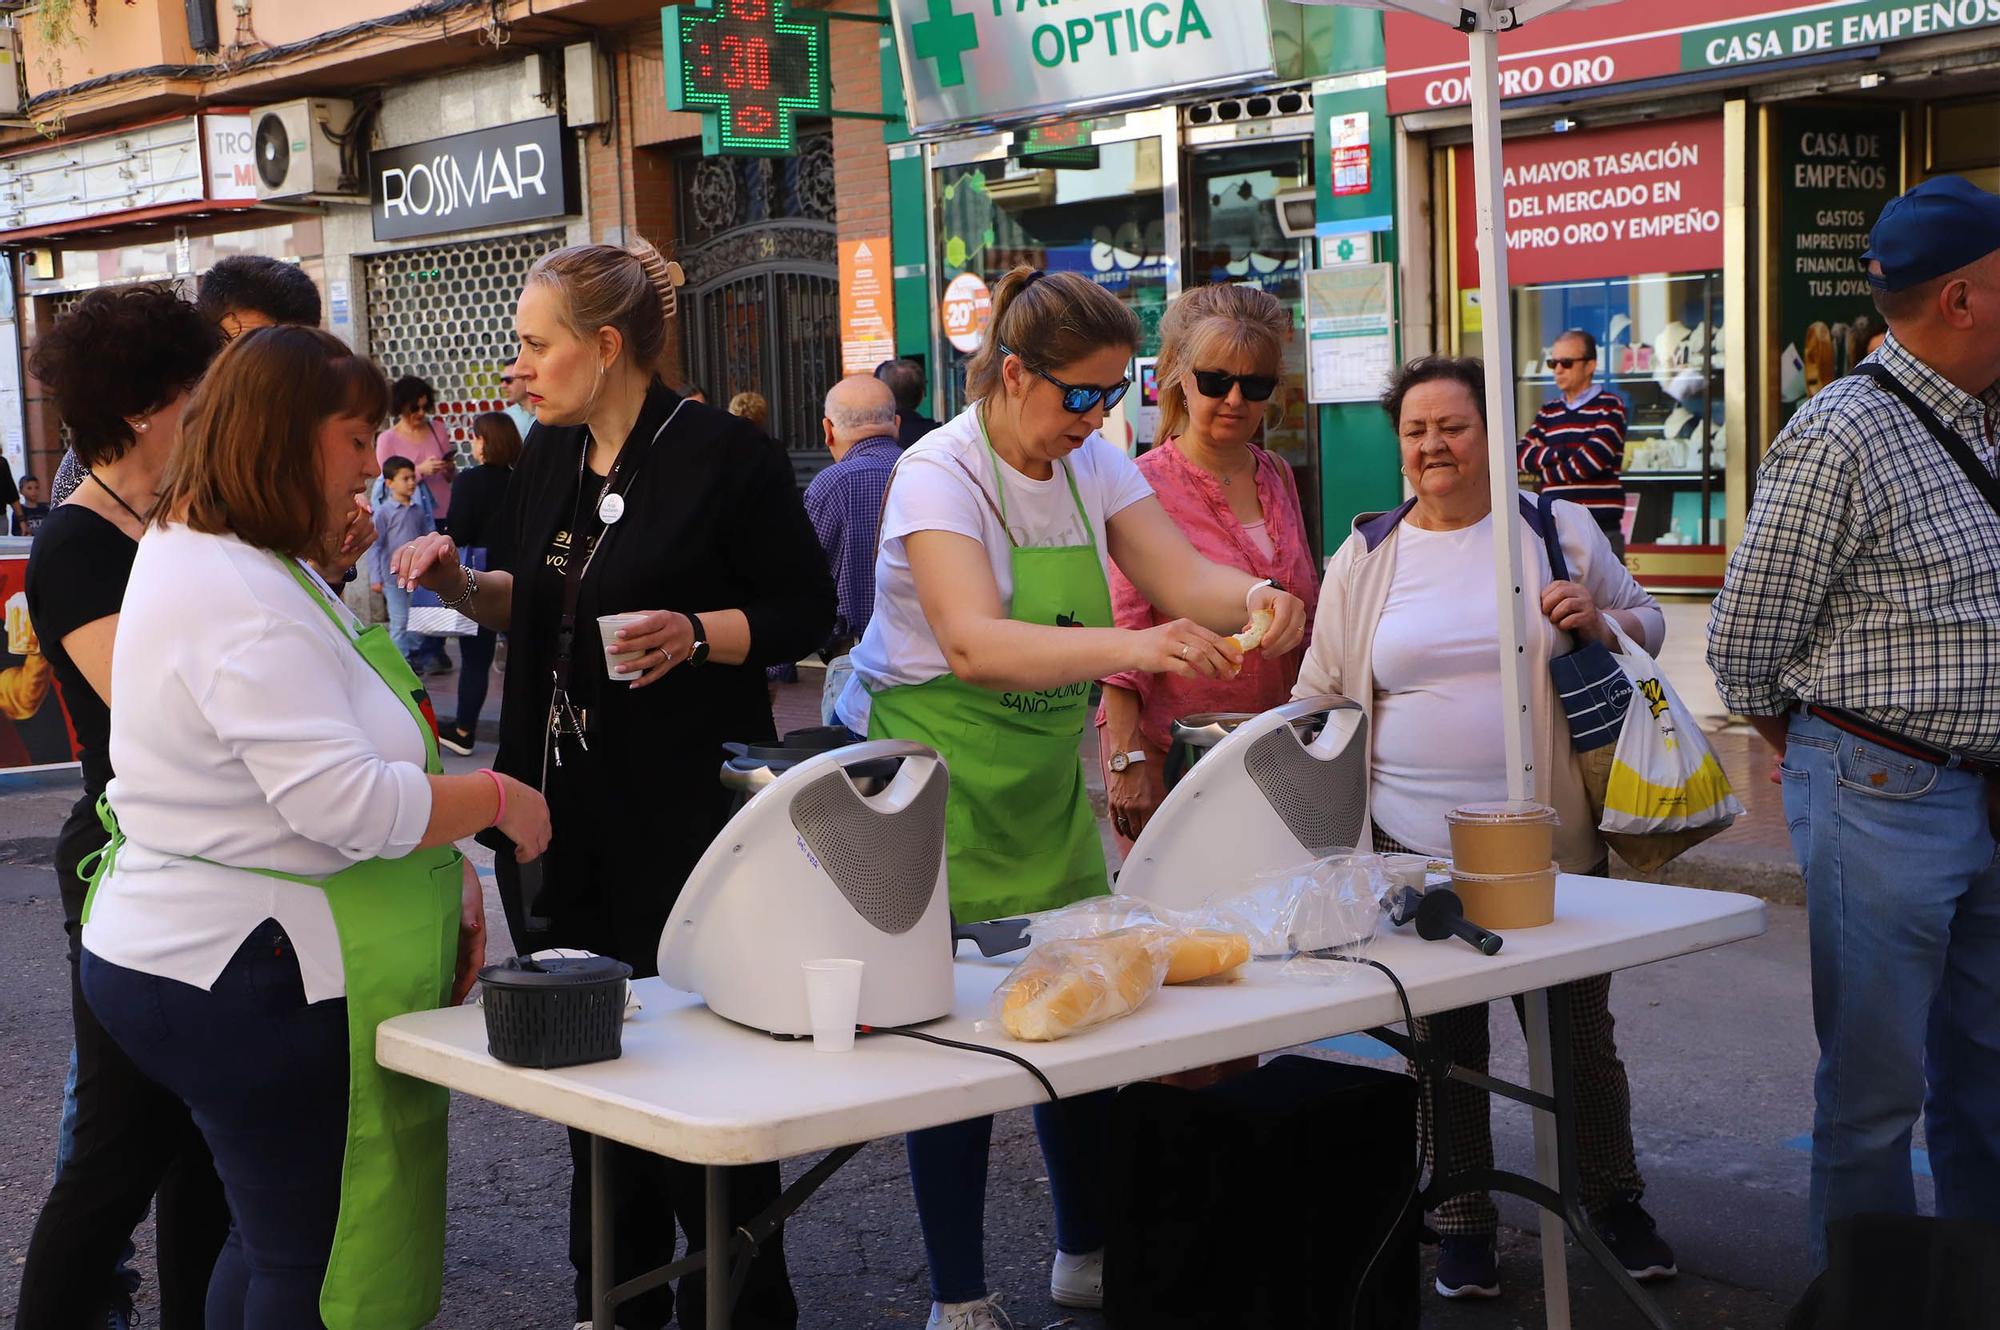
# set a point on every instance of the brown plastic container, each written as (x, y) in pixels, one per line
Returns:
(1502, 838)
(1507, 900)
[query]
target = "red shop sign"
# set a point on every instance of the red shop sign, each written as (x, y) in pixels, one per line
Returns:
(1605, 203)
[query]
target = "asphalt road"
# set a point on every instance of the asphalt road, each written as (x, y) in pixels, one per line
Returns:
(1719, 1048)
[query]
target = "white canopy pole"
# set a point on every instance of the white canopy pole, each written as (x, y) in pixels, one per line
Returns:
(1496, 344)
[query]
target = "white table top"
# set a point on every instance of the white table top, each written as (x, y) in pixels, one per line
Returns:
(695, 1087)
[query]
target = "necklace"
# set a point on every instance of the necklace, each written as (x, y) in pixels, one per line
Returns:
(116, 498)
(1227, 478)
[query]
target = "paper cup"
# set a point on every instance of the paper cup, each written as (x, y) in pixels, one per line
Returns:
(607, 628)
(833, 1001)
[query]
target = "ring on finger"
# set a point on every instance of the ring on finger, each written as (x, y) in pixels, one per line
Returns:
(1183, 651)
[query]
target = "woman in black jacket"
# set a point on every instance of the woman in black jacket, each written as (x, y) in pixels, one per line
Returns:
(478, 496)
(634, 500)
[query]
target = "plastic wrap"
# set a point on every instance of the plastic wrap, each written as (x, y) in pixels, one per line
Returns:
(1326, 904)
(1064, 985)
(1196, 951)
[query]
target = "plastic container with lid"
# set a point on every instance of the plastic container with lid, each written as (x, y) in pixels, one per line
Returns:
(1502, 838)
(1507, 900)
(554, 1012)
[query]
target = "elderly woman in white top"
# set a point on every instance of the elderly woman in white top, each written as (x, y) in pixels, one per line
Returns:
(1408, 627)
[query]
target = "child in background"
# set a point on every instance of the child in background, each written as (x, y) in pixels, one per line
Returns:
(399, 519)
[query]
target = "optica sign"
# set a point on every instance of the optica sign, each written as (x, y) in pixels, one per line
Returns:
(1627, 43)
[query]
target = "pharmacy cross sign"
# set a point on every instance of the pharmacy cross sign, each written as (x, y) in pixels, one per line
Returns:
(749, 68)
(945, 37)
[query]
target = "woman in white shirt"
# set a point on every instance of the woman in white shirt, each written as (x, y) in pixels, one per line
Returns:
(281, 877)
(1408, 627)
(992, 617)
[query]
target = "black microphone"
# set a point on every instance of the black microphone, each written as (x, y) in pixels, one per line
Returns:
(1438, 914)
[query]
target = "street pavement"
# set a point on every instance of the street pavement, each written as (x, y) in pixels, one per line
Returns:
(1719, 1047)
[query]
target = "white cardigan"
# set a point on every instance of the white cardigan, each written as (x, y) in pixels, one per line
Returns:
(1356, 587)
(246, 731)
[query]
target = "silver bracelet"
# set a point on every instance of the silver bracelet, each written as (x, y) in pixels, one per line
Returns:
(471, 590)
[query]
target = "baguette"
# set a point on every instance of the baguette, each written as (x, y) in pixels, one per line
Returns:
(1072, 984)
(1205, 953)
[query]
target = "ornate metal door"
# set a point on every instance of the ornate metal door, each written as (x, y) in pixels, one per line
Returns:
(764, 277)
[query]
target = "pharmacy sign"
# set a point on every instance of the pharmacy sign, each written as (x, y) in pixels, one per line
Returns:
(971, 63)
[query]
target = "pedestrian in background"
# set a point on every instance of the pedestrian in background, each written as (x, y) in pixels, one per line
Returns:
(1575, 446)
(906, 380)
(517, 409)
(1858, 628)
(29, 514)
(478, 496)
(415, 433)
(399, 519)
(845, 505)
(119, 367)
(752, 407)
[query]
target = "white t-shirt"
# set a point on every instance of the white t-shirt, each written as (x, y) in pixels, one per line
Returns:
(945, 483)
(1438, 741)
(246, 730)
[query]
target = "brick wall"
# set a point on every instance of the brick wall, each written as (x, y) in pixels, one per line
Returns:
(860, 159)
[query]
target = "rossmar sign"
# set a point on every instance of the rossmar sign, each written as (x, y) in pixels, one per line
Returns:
(510, 173)
(985, 62)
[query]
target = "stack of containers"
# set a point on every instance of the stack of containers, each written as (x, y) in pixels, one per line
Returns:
(1503, 863)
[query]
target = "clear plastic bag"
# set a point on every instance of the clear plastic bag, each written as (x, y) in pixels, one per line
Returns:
(1332, 903)
(1197, 952)
(1064, 985)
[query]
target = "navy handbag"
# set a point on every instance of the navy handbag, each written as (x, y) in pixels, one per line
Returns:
(1593, 690)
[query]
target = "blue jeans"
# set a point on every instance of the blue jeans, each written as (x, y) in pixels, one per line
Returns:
(475, 674)
(948, 1174)
(414, 646)
(1903, 911)
(264, 1074)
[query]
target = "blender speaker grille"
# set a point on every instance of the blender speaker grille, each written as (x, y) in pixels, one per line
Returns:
(1319, 802)
(885, 864)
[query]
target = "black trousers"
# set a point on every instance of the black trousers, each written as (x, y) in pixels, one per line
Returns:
(607, 884)
(133, 1139)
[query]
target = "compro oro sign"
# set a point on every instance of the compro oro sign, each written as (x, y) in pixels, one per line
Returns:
(488, 177)
(986, 62)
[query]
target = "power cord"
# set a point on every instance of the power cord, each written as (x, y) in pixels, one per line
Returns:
(1417, 1167)
(909, 1032)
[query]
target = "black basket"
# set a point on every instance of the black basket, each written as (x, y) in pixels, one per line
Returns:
(554, 1013)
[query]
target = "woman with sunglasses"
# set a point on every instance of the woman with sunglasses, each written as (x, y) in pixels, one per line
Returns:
(992, 617)
(1221, 355)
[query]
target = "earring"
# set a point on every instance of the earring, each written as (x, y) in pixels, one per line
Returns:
(142, 426)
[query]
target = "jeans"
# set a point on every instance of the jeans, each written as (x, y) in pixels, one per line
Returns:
(414, 646)
(475, 673)
(948, 1174)
(838, 671)
(123, 1276)
(264, 1074)
(1903, 914)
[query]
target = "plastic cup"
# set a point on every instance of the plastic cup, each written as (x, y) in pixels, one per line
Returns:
(833, 1001)
(607, 628)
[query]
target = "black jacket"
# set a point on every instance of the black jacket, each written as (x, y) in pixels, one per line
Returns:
(478, 502)
(912, 426)
(712, 521)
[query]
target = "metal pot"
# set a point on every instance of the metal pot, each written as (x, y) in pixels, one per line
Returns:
(751, 767)
(1195, 735)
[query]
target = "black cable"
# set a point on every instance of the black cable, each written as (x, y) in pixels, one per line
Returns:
(909, 1033)
(1417, 1167)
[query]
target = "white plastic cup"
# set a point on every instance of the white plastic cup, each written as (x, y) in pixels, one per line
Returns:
(607, 628)
(833, 1001)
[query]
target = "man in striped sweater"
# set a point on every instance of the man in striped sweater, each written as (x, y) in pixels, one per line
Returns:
(1577, 442)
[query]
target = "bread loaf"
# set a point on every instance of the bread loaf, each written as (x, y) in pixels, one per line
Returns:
(1071, 984)
(1203, 954)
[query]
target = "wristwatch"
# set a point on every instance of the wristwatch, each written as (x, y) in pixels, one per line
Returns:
(1120, 761)
(697, 653)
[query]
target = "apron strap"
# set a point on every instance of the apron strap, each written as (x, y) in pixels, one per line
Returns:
(433, 762)
(1000, 486)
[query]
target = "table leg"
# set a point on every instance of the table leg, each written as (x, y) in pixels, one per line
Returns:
(1548, 1160)
(716, 1276)
(603, 1235)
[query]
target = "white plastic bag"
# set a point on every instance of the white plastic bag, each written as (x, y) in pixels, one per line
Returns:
(1666, 791)
(1329, 903)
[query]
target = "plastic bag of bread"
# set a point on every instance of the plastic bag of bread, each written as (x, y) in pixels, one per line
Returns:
(1327, 903)
(1071, 984)
(1204, 953)
(1095, 916)
(1194, 953)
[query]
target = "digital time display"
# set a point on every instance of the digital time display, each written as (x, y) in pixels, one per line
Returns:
(750, 68)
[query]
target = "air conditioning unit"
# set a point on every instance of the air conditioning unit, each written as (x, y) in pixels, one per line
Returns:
(296, 154)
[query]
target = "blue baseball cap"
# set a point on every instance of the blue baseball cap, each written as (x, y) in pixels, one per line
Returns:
(1936, 228)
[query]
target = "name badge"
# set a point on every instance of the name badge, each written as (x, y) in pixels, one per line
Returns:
(610, 508)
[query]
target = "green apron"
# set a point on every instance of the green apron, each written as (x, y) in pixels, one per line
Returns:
(1019, 832)
(398, 924)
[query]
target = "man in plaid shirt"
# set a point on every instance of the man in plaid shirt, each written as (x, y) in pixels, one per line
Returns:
(1859, 630)
(845, 505)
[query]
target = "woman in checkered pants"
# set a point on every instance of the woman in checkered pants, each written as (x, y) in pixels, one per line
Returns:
(1408, 627)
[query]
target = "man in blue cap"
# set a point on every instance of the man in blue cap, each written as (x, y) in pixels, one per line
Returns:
(1859, 630)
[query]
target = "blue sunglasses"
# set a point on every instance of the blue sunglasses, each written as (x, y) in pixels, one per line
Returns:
(1079, 398)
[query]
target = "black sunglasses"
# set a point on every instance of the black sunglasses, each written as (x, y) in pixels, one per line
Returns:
(506, 380)
(1079, 398)
(1256, 387)
(1564, 362)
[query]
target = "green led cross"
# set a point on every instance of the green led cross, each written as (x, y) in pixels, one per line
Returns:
(750, 68)
(945, 37)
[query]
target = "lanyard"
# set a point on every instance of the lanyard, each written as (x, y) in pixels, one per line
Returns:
(563, 717)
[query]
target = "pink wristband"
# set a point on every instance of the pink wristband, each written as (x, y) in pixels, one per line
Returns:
(500, 813)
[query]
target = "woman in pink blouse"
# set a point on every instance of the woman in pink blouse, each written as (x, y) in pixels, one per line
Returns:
(1221, 354)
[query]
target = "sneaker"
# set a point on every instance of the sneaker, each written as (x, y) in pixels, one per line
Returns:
(456, 739)
(1633, 1238)
(1468, 1267)
(1078, 1281)
(985, 1314)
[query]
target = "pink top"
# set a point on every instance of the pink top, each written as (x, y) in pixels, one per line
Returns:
(1196, 502)
(390, 444)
